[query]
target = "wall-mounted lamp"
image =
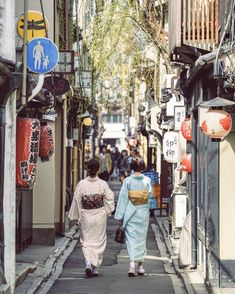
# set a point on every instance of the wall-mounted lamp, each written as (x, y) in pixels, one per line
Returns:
(87, 118)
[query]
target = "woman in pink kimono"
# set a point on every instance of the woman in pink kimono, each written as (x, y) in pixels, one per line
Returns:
(93, 202)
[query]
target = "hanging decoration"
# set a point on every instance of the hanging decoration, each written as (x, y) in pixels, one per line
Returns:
(186, 163)
(132, 142)
(186, 129)
(27, 150)
(46, 148)
(171, 146)
(217, 124)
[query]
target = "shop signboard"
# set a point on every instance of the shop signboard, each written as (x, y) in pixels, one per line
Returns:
(171, 146)
(56, 85)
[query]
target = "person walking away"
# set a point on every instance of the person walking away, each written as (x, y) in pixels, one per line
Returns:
(133, 212)
(115, 154)
(124, 165)
(92, 203)
(105, 162)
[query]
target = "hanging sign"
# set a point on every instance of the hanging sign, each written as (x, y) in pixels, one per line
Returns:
(36, 27)
(171, 146)
(27, 149)
(179, 116)
(56, 85)
(66, 62)
(42, 55)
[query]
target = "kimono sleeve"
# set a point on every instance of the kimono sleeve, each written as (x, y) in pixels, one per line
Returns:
(108, 199)
(122, 202)
(74, 211)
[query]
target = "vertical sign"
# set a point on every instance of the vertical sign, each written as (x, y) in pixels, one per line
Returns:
(166, 179)
(179, 116)
(171, 146)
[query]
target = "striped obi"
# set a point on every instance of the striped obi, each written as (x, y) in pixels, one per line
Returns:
(92, 201)
(138, 197)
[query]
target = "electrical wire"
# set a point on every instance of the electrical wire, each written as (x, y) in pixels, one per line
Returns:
(223, 35)
(44, 18)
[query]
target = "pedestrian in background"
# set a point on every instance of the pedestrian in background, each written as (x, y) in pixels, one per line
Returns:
(124, 165)
(93, 202)
(115, 154)
(105, 162)
(133, 212)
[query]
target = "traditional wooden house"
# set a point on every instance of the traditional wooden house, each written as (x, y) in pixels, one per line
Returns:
(201, 40)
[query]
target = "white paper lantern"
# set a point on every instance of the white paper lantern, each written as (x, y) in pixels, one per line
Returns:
(217, 124)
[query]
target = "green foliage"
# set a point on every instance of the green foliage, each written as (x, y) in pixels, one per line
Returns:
(118, 39)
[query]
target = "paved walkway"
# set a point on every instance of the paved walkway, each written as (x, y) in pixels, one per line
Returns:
(113, 278)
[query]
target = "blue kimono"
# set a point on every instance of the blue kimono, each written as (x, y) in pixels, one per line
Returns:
(135, 218)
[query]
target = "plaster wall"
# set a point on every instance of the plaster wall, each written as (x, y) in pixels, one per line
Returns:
(44, 191)
(7, 51)
(9, 203)
(227, 197)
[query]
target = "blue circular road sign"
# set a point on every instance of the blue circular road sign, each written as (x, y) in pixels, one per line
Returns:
(42, 55)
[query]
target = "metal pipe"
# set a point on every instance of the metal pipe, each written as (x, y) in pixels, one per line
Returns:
(35, 91)
(194, 192)
(38, 88)
(2, 162)
(24, 81)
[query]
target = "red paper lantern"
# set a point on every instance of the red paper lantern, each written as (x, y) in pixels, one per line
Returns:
(132, 142)
(186, 163)
(186, 129)
(27, 149)
(46, 148)
(217, 124)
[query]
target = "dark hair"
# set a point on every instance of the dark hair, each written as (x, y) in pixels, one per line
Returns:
(137, 163)
(124, 150)
(102, 147)
(93, 167)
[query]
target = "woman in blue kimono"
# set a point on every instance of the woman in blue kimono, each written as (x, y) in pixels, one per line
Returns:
(133, 212)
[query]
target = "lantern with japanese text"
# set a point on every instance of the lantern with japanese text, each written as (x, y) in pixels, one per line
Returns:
(217, 124)
(186, 163)
(27, 150)
(171, 146)
(46, 148)
(186, 129)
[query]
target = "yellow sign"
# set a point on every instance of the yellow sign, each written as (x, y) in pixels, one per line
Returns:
(36, 25)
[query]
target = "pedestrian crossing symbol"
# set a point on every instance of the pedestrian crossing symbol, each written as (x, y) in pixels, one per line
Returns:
(42, 55)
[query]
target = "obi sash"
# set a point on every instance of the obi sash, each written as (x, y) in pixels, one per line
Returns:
(93, 201)
(138, 197)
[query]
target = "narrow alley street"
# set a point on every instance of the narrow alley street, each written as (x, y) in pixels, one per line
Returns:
(159, 277)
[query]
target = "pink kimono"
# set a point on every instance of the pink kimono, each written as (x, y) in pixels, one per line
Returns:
(93, 202)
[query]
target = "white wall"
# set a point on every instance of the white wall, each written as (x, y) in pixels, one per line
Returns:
(44, 191)
(227, 197)
(7, 51)
(9, 193)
